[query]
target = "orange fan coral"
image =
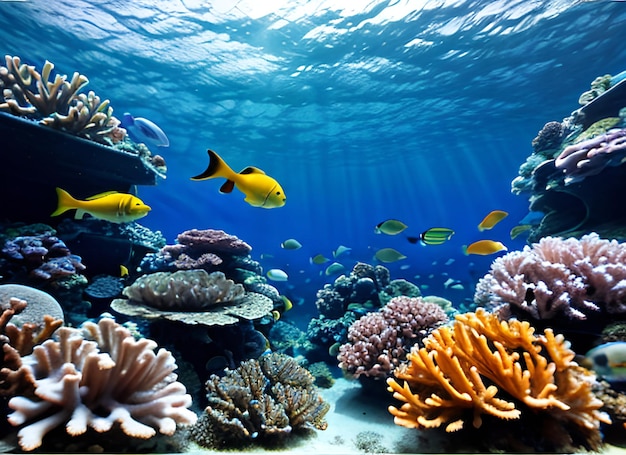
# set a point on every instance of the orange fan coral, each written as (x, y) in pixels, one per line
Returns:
(484, 366)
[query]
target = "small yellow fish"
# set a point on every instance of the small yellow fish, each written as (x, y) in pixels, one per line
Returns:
(123, 271)
(389, 255)
(260, 189)
(485, 247)
(287, 303)
(519, 229)
(110, 206)
(492, 219)
(390, 227)
(319, 259)
(291, 244)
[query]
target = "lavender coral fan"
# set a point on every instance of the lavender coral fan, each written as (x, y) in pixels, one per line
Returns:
(484, 367)
(378, 341)
(97, 377)
(262, 400)
(558, 276)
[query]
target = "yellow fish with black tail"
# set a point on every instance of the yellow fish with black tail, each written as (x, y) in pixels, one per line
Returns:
(110, 206)
(260, 189)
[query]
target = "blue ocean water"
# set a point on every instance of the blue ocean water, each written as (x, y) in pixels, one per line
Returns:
(419, 110)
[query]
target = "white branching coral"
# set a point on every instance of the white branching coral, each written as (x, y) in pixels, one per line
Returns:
(97, 377)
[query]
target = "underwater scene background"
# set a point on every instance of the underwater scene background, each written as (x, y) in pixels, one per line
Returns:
(380, 121)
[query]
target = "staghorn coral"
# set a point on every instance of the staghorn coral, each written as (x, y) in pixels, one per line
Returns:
(378, 341)
(260, 401)
(484, 366)
(97, 377)
(57, 103)
(558, 276)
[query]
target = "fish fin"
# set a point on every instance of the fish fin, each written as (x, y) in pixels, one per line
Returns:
(66, 202)
(101, 195)
(227, 187)
(217, 168)
(252, 170)
(79, 214)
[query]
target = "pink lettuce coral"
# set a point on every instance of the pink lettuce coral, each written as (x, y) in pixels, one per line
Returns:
(378, 341)
(559, 276)
(97, 377)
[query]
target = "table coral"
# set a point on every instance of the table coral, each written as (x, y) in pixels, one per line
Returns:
(378, 341)
(96, 377)
(482, 366)
(261, 400)
(558, 277)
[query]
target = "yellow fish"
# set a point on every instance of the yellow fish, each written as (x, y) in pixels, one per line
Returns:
(390, 227)
(519, 229)
(260, 189)
(492, 219)
(111, 206)
(319, 259)
(485, 247)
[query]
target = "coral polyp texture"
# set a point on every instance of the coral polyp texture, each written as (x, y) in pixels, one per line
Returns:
(378, 341)
(261, 401)
(100, 376)
(57, 102)
(558, 276)
(482, 366)
(193, 297)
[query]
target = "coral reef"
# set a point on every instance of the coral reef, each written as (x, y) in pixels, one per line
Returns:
(39, 257)
(378, 341)
(193, 297)
(484, 367)
(558, 277)
(97, 377)
(57, 103)
(577, 165)
(260, 402)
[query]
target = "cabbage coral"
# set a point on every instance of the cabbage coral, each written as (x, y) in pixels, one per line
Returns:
(482, 366)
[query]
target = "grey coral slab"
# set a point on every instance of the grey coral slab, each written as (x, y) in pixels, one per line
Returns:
(251, 306)
(36, 159)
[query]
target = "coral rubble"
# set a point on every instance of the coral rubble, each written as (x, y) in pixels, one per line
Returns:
(97, 377)
(482, 366)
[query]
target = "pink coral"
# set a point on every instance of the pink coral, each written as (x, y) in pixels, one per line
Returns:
(96, 378)
(379, 341)
(589, 157)
(557, 276)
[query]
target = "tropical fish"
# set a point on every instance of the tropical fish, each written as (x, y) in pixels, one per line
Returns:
(435, 236)
(277, 275)
(340, 251)
(390, 227)
(143, 130)
(520, 228)
(110, 206)
(493, 218)
(260, 189)
(319, 259)
(123, 271)
(609, 360)
(334, 268)
(291, 244)
(484, 247)
(287, 303)
(389, 255)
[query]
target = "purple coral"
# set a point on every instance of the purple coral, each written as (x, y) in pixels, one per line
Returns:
(379, 341)
(589, 157)
(557, 276)
(45, 256)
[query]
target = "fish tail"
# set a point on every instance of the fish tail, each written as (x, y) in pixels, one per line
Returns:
(66, 202)
(217, 168)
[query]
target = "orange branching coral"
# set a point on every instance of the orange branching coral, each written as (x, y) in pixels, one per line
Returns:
(487, 366)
